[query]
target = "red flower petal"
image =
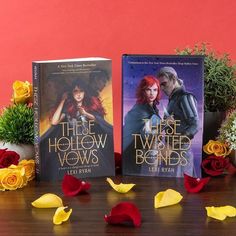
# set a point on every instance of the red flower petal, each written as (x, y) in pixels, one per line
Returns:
(2, 151)
(124, 212)
(71, 186)
(194, 185)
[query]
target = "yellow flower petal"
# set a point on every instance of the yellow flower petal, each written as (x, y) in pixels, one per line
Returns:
(205, 149)
(167, 198)
(215, 212)
(61, 216)
(229, 211)
(121, 188)
(29, 166)
(48, 200)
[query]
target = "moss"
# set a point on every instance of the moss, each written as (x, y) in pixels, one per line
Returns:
(17, 124)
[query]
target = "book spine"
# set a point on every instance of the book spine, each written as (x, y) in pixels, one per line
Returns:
(36, 88)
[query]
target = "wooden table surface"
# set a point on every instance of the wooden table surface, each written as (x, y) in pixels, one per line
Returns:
(189, 217)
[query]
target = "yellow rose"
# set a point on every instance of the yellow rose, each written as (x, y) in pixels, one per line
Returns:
(217, 148)
(29, 166)
(22, 92)
(12, 178)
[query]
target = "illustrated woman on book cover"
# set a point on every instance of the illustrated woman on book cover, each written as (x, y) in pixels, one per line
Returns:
(143, 115)
(84, 114)
(182, 107)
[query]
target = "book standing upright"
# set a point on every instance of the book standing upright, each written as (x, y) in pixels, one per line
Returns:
(162, 115)
(73, 118)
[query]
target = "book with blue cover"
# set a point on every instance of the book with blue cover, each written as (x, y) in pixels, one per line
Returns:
(162, 115)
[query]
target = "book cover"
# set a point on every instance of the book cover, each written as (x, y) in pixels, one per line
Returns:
(73, 118)
(162, 115)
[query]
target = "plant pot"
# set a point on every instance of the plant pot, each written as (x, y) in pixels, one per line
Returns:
(26, 151)
(212, 123)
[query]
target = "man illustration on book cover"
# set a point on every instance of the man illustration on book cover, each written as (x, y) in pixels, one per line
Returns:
(182, 107)
(143, 115)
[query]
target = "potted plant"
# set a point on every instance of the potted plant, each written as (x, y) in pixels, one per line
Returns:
(17, 122)
(219, 87)
(227, 134)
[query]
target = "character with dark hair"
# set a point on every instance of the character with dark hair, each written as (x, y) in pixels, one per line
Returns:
(99, 87)
(80, 111)
(182, 106)
(97, 80)
(78, 104)
(138, 119)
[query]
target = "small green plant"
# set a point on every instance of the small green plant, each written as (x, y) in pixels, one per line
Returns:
(17, 124)
(227, 131)
(219, 78)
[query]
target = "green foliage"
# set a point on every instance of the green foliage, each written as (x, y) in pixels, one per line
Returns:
(219, 78)
(17, 124)
(227, 131)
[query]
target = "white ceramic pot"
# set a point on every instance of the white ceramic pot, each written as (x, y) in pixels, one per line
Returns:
(26, 151)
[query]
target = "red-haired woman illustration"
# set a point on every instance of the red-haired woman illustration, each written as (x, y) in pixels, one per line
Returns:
(90, 136)
(78, 105)
(139, 120)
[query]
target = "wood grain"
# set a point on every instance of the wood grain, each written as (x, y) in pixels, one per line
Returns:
(18, 217)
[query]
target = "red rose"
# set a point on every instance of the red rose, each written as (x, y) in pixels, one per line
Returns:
(124, 212)
(215, 166)
(8, 158)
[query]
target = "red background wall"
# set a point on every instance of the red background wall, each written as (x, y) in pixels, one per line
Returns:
(55, 29)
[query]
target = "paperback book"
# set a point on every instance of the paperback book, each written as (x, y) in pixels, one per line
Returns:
(163, 99)
(73, 118)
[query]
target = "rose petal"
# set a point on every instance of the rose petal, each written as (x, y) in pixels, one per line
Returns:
(124, 212)
(61, 216)
(215, 213)
(194, 185)
(207, 148)
(2, 151)
(29, 166)
(71, 186)
(48, 200)
(220, 213)
(167, 198)
(121, 188)
(229, 211)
